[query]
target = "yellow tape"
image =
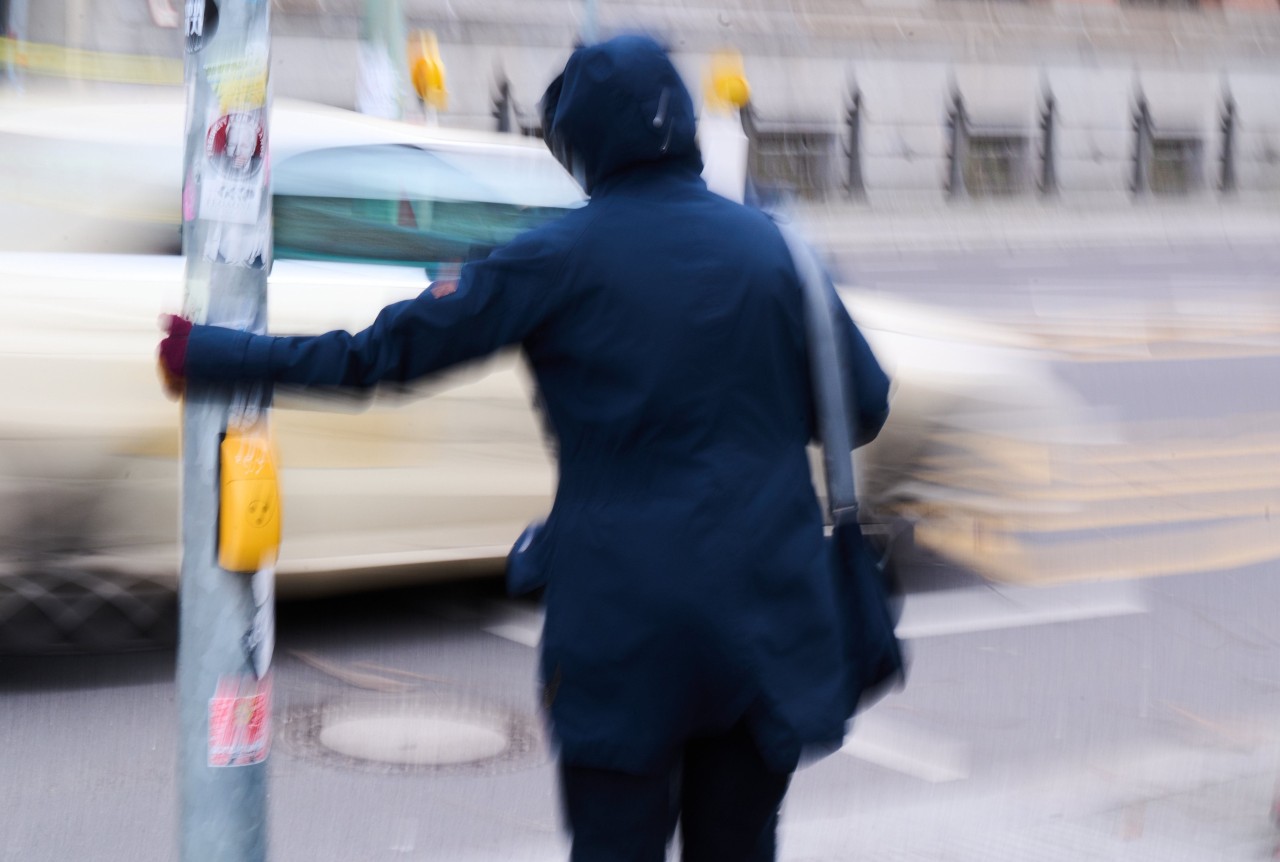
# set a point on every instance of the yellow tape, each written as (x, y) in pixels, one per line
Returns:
(58, 61)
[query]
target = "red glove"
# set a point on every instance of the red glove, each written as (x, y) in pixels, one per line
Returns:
(173, 354)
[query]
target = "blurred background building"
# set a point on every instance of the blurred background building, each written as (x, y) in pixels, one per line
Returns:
(895, 101)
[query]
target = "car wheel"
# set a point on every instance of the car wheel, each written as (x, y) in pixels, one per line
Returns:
(58, 609)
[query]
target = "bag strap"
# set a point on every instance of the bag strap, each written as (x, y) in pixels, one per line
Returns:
(827, 370)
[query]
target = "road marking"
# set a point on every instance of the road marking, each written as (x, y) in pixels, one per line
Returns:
(892, 745)
(1065, 480)
(1166, 349)
(931, 614)
(519, 624)
(979, 609)
(407, 830)
(381, 668)
(1130, 442)
(1158, 508)
(1108, 329)
(358, 679)
(1183, 548)
(1027, 489)
(529, 636)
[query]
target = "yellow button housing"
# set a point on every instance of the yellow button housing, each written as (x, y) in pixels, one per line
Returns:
(249, 513)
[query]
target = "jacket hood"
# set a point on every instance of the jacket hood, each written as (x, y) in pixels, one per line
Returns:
(618, 104)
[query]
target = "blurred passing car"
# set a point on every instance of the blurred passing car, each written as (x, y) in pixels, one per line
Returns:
(389, 489)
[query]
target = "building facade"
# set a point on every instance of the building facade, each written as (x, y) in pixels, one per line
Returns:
(891, 101)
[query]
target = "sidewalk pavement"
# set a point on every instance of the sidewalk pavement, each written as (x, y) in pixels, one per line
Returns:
(1144, 730)
(978, 225)
(1177, 806)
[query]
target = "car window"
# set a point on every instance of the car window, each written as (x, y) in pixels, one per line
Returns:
(407, 204)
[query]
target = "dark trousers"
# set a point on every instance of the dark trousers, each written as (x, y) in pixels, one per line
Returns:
(721, 794)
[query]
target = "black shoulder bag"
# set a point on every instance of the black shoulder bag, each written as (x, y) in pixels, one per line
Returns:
(874, 656)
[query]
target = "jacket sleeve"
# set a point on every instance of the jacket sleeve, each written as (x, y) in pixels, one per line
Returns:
(498, 301)
(867, 386)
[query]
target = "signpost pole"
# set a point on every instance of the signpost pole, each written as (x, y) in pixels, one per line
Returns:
(16, 29)
(382, 81)
(225, 618)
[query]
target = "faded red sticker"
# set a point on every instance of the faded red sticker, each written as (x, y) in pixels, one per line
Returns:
(240, 721)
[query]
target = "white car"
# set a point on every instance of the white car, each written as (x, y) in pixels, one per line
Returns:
(392, 489)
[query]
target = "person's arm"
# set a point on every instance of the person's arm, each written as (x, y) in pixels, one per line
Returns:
(498, 301)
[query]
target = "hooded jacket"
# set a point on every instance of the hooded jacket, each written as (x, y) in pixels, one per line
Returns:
(688, 582)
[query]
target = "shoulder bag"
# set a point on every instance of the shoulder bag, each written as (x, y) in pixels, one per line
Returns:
(874, 656)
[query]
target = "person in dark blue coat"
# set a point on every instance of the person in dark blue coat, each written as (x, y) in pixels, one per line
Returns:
(693, 645)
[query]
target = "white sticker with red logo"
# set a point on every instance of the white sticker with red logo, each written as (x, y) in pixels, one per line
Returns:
(240, 721)
(235, 153)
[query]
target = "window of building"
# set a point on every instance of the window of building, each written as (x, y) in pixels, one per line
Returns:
(997, 164)
(799, 161)
(1175, 164)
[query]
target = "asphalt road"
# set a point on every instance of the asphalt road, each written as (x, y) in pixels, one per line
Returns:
(1130, 719)
(1176, 467)
(1205, 272)
(1125, 720)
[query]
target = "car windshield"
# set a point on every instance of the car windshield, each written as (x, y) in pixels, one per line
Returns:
(409, 205)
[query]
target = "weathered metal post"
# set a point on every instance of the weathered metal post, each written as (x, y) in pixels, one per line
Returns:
(1048, 154)
(15, 28)
(857, 187)
(1228, 144)
(225, 618)
(958, 123)
(502, 105)
(1143, 147)
(382, 82)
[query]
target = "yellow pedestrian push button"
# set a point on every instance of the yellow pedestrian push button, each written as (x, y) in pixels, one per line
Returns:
(249, 514)
(426, 70)
(727, 88)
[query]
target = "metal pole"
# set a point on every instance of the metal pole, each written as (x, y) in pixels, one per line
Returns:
(16, 29)
(225, 618)
(383, 75)
(502, 108)
(857, 187)
(1228, 145)
(959, 122)
(1048, 155)
(1142, 148)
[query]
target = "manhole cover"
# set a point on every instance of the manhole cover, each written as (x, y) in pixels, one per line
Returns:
(414, 740)
(414, 735)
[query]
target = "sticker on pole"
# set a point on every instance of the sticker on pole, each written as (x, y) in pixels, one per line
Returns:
(240, 721)
(202, 23)
(261, 638)
(235, 152)
(241, 83)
